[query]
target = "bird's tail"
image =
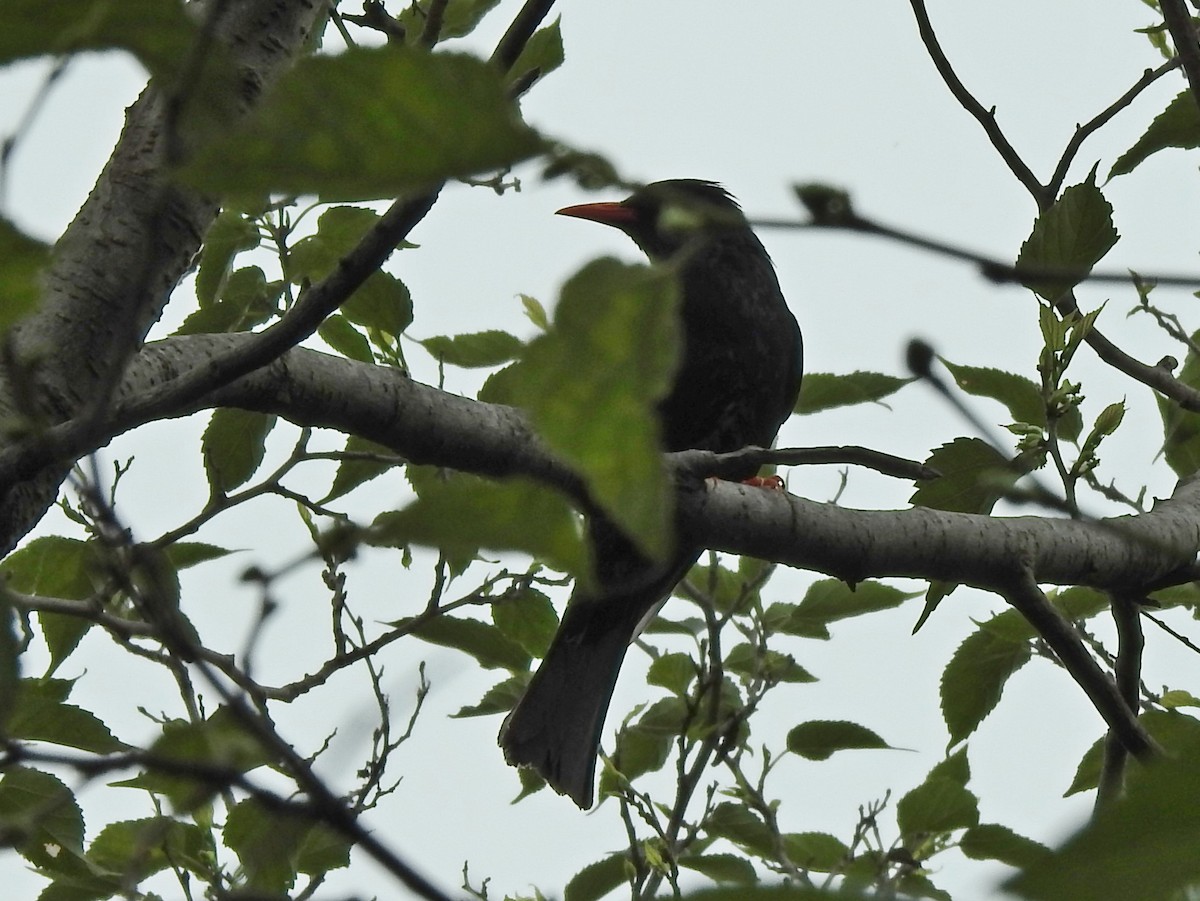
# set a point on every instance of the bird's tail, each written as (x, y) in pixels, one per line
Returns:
(556, 726)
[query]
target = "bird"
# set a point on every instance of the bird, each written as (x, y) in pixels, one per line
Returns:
(736, 383)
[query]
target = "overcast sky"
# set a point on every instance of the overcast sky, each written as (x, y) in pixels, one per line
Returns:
(758, 96)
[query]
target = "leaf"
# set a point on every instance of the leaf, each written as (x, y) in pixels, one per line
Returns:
(1176, 126)
(267, 842)
(230, 234)
(322, 850)
(1020, 395)
(674, 672)
(500, 698)
(233, 446)
(937, 805)
(39, 815)
(56, 567)
(763, 663)
(819, 739)
(38, 716)
(139, 848)
(458, 20)
(464, 514)
(1068, 240)
(321, 128)
(10, 663)
(737, 824)
(598, 879)
(338, 333)
(487, 644)
(1181, 428)
(22, 260)
(989, 841)
(828, 600)
(721, 867)
(490, 348)
(1172, 729)
(247, 300)
(973, 476)
(352, 473)
(382, 302)
(1102, 863)
(824, 390)
(185, 554)
(158, 32)
(816, 851)
(974, 679)
(592, 385)
(543, 52)
(638, 751)
(528, 618)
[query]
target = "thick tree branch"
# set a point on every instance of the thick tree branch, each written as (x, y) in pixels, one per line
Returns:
(429, 426)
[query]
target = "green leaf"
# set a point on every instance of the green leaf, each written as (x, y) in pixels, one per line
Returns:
(185, 554)
(638, 751)
(487, 644)
(528, 618)
(39, 815)
(339, 230)
(220, 742)
(247, 300)
(382, 302)
(742, 827)
(828, 600)
(543, 52)
(974, 679)
(22, 260)
(819, 739)
(1020, 395)
(490, 348)
(458, 19)
(817, 851)
(1181, 428)
(267, 842)
(1173, 730)
(139, 848)
(464, 514)
(158, 32)
(322, 850)
(338, 333)
(230, 234)
(1141, 846)
(592, 385)
(1068, 239)
(937, 805)
(56, 567)
(771, 666)
(1176, 126)
(989, 841)
(598, 879)
(974, 475)
(38, 716)
(500, 698)
(824, 390)
(721, 867)
(234, 445)
(674, 672)
(321, 128)
(10, 663)
(352, 473)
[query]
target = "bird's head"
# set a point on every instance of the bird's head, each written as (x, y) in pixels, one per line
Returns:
(664, 217)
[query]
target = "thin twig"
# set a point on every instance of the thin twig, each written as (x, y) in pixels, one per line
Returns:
(985, 117)
(1025, 595)
(1183, 34)
(1128, 671)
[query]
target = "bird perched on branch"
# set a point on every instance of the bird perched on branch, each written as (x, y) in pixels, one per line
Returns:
(736, 383)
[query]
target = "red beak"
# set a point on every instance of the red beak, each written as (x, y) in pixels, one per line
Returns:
(607, 213)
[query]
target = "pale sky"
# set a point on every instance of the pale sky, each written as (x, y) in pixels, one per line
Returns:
(757, 96)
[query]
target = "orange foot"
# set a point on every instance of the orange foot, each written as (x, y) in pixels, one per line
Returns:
(771, 483)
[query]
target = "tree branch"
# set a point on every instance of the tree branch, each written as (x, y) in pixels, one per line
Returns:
(1183, 35)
